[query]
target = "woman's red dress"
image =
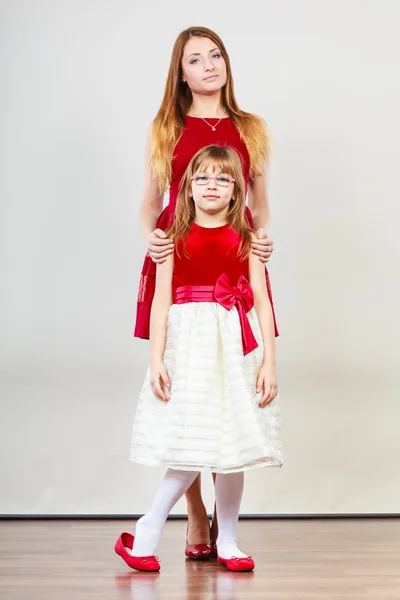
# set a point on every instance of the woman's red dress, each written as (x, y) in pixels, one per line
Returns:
(196, 135)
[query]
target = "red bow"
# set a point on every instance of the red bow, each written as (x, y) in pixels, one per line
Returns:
(242, 297)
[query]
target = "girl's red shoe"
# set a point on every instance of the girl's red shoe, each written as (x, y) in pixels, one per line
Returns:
(140, 563)
(237, 564)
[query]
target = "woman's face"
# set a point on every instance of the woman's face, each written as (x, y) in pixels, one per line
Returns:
(203, 67)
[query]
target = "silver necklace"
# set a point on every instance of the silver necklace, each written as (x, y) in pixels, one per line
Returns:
(213, 127)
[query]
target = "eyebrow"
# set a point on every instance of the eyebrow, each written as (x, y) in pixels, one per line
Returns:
(198, 53)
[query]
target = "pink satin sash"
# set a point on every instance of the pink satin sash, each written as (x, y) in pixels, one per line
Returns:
(228, 296)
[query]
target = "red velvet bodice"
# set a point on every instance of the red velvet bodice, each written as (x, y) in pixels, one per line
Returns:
(210, 252)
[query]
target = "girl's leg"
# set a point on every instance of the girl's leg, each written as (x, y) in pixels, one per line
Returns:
(198, 523)
(228, 495)
(149, 527)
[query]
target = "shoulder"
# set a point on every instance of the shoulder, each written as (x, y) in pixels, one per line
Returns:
(261, 125)
(258, 118)
(254, 118)
(256, 127)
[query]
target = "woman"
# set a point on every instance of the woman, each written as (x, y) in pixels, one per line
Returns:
(198, 109)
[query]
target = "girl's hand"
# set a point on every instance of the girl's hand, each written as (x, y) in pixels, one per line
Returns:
(159, 380)
(267, 382)
(159, 246)
(263, 246)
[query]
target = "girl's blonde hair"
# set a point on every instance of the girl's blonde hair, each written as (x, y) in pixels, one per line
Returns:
(221, 159)
(170, 119)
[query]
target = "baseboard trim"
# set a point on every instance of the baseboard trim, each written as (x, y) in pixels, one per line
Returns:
(72, 517)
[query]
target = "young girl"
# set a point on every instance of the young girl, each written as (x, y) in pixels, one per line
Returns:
(209, 400)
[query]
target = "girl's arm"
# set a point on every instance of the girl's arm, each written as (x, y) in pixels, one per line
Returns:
(150, 209)
(162, 302)
(267, 379)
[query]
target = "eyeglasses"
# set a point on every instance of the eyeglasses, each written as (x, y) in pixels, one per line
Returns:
(220, 180)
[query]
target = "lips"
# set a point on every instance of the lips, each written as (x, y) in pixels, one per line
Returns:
(210, 77)
(211, 197)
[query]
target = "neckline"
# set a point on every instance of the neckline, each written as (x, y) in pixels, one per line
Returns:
(210, 228)
(208, 118)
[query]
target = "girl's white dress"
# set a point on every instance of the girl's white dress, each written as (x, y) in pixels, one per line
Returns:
(212, 421)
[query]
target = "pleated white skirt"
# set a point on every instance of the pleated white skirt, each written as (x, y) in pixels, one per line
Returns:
(212, 421)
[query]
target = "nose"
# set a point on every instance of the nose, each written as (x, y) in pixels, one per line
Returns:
(212, 185)
(208, 65)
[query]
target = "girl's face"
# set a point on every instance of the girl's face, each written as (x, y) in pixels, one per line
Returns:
(212, 198)
(203, 67)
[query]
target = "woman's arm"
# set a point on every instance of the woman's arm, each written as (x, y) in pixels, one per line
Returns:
(258, 199)
(150, 209)
(152, 201)
(267, 379)
(259, 207)
(161, 304)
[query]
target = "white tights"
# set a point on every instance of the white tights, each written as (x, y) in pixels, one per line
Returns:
(228, 495)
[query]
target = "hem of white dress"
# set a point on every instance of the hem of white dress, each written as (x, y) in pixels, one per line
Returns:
(185, 467)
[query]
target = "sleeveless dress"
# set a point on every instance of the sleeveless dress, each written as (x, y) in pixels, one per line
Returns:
(196, 135)
(212, 420)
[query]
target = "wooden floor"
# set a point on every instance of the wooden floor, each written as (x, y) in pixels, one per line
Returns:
(295, 559)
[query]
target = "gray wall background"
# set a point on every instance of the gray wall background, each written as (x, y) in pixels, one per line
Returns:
(80, 83)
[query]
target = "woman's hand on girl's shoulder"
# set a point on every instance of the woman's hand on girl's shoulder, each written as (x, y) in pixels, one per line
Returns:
(267, 382)
(159, 380)
(262, 246)
(159, 246)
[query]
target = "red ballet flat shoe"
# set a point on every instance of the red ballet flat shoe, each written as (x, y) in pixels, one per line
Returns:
(237, 564)
(140, 563)
(197, 551)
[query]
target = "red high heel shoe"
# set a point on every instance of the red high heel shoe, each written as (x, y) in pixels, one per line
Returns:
(197, 551)
(237, 564)
(140, 563)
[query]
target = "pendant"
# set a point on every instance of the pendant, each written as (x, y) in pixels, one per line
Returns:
(213, 128)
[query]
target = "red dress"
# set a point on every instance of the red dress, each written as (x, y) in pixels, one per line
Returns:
(213, 353)
(196, 135)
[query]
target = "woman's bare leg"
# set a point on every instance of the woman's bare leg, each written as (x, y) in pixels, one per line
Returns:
(214, 522)
(198, 523)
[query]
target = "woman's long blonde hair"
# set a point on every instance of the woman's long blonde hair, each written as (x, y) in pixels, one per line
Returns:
(221, 159)
(170, 119)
